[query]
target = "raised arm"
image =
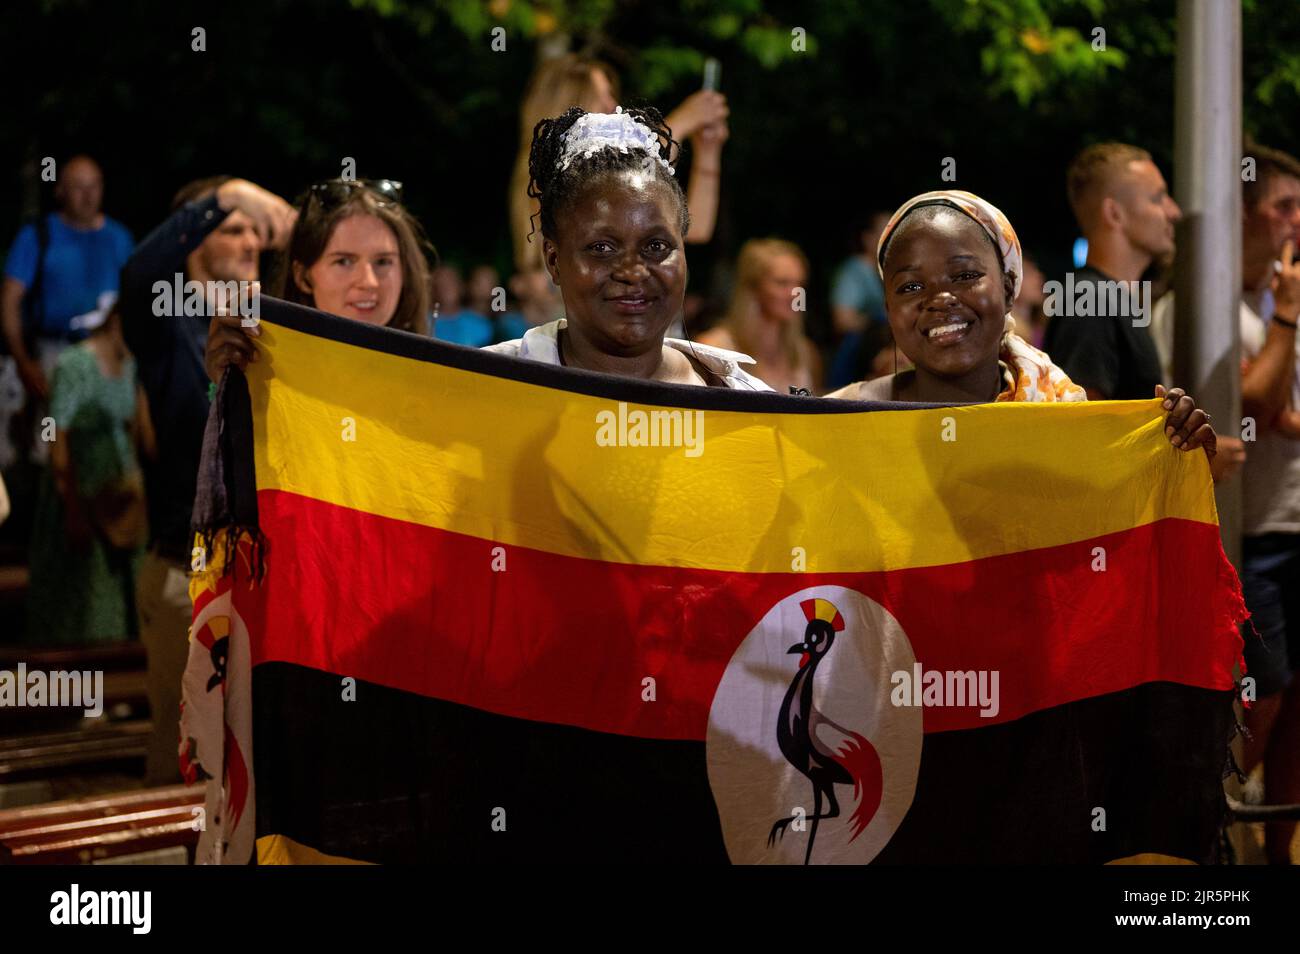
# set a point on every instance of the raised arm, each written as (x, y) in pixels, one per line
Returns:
(703, 190)
(1266, 382)
(11, 316)
(160, 257)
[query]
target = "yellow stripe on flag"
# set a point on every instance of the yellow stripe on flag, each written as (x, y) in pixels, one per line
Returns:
(283, 850)
(423, 443)
(1151, 858)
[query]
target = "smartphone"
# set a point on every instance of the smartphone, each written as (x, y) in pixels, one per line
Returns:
(712, 74)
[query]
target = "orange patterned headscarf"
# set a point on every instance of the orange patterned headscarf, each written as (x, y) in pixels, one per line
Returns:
(1029, 374)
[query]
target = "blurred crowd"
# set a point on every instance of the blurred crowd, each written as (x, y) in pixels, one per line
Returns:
(103, 404)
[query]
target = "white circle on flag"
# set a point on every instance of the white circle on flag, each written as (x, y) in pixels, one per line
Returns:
(850, 743)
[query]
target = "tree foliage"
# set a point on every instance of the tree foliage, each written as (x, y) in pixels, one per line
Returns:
(859, 114)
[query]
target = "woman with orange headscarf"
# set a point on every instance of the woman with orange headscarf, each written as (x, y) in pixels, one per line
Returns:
(952, 265)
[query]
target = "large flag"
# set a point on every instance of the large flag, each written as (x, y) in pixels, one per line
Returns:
(475, 608)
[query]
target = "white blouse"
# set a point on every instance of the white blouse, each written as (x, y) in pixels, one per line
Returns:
(542, 344)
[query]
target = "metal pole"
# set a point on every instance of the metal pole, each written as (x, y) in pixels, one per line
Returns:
(1207, 274)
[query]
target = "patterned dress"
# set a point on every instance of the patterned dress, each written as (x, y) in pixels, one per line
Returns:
(84, 597)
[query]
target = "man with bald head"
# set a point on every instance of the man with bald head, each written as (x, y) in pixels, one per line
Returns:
(1098, 334)
(59, 271)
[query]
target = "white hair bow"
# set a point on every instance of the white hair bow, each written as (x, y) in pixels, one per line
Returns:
(617, 130)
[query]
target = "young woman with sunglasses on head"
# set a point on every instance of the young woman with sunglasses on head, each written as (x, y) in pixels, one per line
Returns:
(354, 252)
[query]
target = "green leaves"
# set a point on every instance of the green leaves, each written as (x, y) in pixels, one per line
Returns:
(1284, 76)
(772, 46)
(740, 22)
(661, 67)
(1025, 53)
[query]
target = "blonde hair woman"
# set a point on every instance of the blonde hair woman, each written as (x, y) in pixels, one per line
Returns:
(764, 320)
(557, 84)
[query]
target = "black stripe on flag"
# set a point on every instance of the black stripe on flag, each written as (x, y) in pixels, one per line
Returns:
(399, 778)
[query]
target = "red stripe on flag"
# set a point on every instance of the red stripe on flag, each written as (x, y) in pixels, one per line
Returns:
(550, 637)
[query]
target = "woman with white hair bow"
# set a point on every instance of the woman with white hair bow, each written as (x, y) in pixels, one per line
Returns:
(613, 222)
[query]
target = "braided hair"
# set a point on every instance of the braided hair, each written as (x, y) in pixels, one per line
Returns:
(556, 189)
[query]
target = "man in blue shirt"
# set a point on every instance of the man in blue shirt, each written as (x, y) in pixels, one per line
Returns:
(78, 273)
(857, 297)
(858, 306)
(452, 322)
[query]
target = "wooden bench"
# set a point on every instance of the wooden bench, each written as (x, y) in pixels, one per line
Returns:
(122, 663)
(27, 757)
(14, 582)
(155, 821)
(110, 657)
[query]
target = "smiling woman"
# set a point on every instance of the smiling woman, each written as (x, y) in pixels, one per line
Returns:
(613, 220)
(354, 252)
(952, 265)
(357, 253)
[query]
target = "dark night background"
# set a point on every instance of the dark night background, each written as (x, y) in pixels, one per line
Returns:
(413, 91)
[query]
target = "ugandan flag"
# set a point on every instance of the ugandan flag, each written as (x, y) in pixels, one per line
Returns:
(501, 611)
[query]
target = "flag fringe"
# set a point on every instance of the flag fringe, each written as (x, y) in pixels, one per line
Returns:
(225, 500)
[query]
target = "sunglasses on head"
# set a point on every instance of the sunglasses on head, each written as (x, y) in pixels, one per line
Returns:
(331, 193)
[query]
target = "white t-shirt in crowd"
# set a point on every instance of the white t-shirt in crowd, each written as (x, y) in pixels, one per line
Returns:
(1271, 478)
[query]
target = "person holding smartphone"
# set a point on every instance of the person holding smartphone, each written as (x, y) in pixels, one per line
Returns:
(591, 84)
